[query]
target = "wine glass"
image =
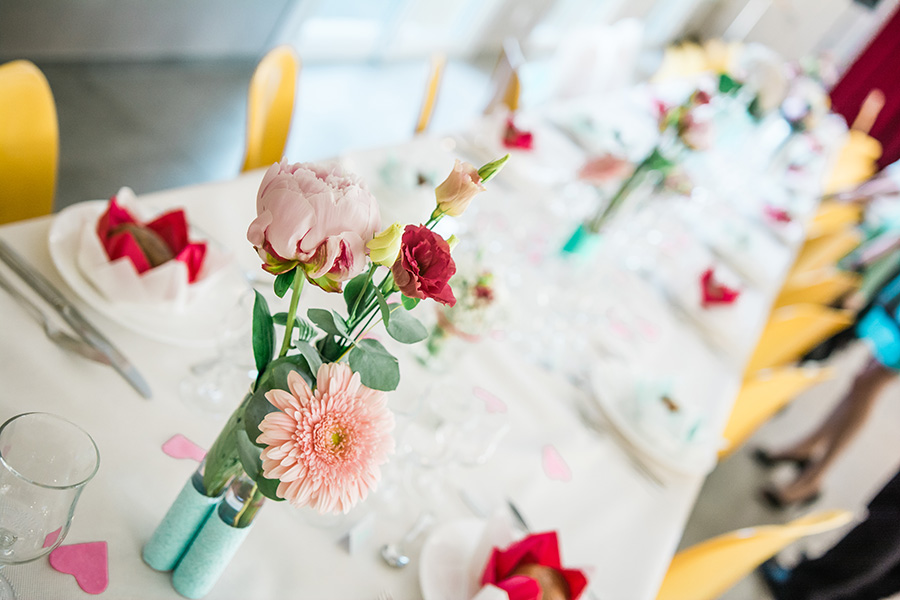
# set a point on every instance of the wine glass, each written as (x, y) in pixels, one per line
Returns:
(45, 462)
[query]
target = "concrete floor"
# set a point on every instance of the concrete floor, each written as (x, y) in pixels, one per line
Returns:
(155, 126)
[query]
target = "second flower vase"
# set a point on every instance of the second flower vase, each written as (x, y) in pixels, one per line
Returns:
(218, 540)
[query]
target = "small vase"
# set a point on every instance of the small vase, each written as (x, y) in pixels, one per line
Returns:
(178, 528)
(218, 540)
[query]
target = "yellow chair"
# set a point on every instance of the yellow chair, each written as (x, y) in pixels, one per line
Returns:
(822, 286)
(507, 87)
(859, 155)
(792, 331)
(438, 62)
(707, 570)
(825, 251)
(270, 106)
(29, 142)
(761, 396)
(832, 217)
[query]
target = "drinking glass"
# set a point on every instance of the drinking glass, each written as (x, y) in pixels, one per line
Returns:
(45, 462)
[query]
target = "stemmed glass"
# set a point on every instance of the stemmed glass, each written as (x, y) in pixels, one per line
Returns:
(45, 462)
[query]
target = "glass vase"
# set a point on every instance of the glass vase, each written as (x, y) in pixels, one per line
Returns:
(218, 540)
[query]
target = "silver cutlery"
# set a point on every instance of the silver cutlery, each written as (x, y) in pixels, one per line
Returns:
(71, 315)
(396, 554)
(385, 595)
(53, 333)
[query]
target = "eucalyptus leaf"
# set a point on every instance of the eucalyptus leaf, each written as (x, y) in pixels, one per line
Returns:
(404, 327)
(329, 349)
(313, 360)
(275, 378)
(377, 368)
(263, 333)
(409, 303)
(328, 321)
(284, 281)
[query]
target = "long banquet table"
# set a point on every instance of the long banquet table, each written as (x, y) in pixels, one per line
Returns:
(610, 518)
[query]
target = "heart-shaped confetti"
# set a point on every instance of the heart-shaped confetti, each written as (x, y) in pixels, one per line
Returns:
(179, 446)
(779, 215)
(555, 466)
(51, 538)
(715, 292)
(87, 562)
(492, 403)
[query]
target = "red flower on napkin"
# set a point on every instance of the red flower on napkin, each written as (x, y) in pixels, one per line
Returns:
(715, 292)
(517, 138)
(779, 215)
(522, 569)
(149, 245)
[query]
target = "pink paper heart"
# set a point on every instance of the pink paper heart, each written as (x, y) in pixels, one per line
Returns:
(492, 403)
(87, 562)
(555, 466)
(179, 446)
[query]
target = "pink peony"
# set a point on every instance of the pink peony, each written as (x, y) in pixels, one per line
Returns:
(315, 217)
(326, 446)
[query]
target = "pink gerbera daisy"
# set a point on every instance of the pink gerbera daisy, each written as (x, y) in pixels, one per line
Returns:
(326, 446)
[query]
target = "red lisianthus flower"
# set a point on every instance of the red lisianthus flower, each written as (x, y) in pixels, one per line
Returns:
(424, 266)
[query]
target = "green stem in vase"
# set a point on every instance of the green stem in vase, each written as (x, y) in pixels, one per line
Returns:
(596, 222)
(296, 288)
(222, 463)
(251, 506)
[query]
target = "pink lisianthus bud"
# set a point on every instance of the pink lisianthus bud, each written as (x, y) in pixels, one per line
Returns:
(315, 217)
(425, 266)
(456, 192)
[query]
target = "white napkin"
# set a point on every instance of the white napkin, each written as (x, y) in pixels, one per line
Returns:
(165, 286)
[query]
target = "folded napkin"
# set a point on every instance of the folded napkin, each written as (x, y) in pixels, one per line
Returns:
(531, 569)
(129, 260)
(715, 292)
(516, 138)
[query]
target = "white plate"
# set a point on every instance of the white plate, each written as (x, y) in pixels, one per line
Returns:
(197, 326)
(693, 459)
(445, 561)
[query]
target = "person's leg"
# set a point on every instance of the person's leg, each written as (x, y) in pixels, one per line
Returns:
(863, 565)
(838, 430)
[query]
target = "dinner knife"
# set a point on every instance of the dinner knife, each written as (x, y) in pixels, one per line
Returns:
(74, 318)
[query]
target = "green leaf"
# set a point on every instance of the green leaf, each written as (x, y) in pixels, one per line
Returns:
(313, 360)
(404, 327)
(409, 303)
(383, 307)
(328, 321)
(283, 282)
(492, 168)
(263, 333)
(267, 488)
(728, 84)
(249, 454)
(377, 368)
(358, 294)
(275, 378)
(329, 349)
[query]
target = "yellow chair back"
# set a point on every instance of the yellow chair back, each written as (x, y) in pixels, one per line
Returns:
(707, 570)
(438, 62)
(507, 87)
(29, 142)
(833, 217)
(270, 106)
(792, 331)
(761, 396)
(823, 286)
(826, 250)
(856, 162)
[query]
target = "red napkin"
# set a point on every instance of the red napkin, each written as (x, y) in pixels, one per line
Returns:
(715, 292)
(538, 548)
(124, 236)
(779, 215)
(517, 138)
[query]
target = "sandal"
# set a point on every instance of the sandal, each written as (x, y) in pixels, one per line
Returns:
(763, 458)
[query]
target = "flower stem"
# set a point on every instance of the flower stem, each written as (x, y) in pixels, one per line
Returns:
(597, 221)
(249, 509)
(296, 288)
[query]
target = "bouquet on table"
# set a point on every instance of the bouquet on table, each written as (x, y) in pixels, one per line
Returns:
(683, 127)
(314, 427)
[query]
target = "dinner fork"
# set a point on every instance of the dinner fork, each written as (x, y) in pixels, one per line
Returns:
(53, 333)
